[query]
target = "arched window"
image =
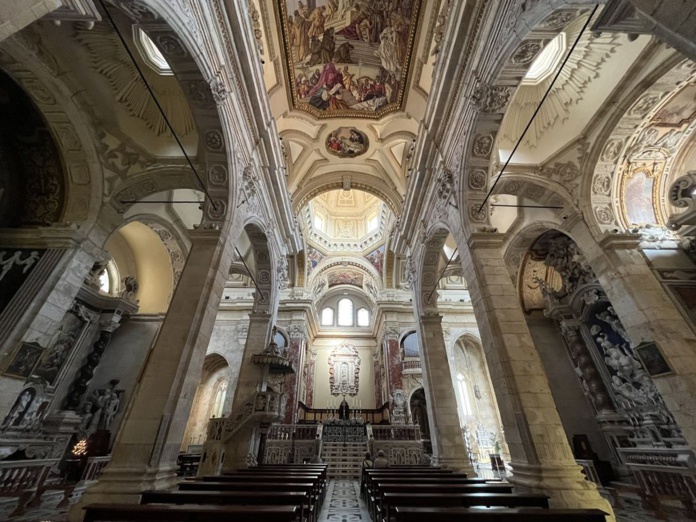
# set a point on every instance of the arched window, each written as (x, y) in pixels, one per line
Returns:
(327, 316)
(363, 317)
(219, 400)
(464, 395)
(410, 345)
(280, 340)
(345, 312)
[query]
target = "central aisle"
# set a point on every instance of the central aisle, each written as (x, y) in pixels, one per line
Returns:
(343, 503)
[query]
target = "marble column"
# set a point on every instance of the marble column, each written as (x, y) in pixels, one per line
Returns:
(146, 448)
(648, 314)
(542, 460)
(393, 362)
(297, 334)
(449, 449)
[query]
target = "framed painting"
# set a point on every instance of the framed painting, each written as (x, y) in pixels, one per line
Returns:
(24, 360)
(653, 360)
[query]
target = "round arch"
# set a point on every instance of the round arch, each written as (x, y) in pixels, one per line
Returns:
(335, 181)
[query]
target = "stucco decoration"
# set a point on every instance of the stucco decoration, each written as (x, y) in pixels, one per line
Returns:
(344, 370)
(345, 60)
(347, 142)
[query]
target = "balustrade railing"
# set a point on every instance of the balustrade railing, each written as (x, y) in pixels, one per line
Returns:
(664, 472)
(293, 432)
(94, 468)
(400, 433)
(17, 476)
(411, 365)
(307, 415)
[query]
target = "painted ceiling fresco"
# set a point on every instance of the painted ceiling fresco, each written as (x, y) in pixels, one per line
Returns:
(348, 57)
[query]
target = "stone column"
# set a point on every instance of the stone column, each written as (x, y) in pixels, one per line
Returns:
(145, 451)
(297, 334)
(311, 369)
(648, 314)
(239, 451)
(445, 431)
(542, 460)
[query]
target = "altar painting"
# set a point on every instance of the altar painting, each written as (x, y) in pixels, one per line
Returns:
(348, 57)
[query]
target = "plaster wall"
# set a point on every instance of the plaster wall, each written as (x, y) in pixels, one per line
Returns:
(366, 390)
(574, 409)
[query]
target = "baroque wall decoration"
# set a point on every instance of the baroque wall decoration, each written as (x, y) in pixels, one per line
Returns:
(344, 370)
(347, 142)
(376, 257)
(345, 60)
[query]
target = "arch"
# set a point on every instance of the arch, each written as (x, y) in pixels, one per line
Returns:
(179, 41)
(618, 139)
(335, 181)
(139, 252)
(525, 40)
(265, 275)
(73, 135)
(430, 256)
(215, 375)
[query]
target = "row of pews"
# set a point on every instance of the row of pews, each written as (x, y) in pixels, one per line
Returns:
(267, 493)
(432, 494)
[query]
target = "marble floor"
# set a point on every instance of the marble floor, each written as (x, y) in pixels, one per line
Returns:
(342, 504)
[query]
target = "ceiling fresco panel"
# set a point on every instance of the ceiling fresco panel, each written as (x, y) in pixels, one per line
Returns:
(348, 58)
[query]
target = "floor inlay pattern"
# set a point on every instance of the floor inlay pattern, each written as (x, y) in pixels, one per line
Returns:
(343, 503)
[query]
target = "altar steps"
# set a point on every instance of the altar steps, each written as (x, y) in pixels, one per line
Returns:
(344, 459)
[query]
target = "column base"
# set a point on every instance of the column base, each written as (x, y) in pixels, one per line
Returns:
(565, 485)
(124, 486)
(457, 464)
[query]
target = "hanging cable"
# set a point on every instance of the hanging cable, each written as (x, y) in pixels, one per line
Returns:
(154, 99)
(524, 133)
(443, 272)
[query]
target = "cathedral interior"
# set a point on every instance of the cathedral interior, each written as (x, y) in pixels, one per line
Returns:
(248, 233)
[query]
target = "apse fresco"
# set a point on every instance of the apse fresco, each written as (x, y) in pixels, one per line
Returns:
(348, 57)
(638, 198)
(346, 277)
(376, 257)
(314, 257)
(347, 142)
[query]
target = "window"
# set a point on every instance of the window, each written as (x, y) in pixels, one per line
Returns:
(464, 395)
(219, 402)
(410, 345)
(372, 223)
(363, 317)
(345, 312)
(327, 317)
(105, 282)
(280, 341)
(319, 223)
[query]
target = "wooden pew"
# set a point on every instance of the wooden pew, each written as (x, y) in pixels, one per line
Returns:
(450, 479)
(319, 484)
(381, 489)
(429, 514)
(512, 500)
(226, 498)
(308, 488)
(187, 513)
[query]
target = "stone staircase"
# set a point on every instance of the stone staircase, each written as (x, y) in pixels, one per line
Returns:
(344, 459)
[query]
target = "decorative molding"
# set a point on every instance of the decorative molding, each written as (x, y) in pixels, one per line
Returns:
(344, 370)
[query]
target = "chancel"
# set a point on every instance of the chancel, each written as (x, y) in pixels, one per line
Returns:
(314, 260)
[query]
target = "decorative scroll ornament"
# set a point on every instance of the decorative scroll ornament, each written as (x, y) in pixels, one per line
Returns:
(344, 370)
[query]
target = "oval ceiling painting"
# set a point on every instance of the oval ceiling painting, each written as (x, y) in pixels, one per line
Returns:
(347, 142)
(348, 57)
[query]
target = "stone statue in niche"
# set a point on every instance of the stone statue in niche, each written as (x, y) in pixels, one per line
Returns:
(130, 288)
(398, 415)
(19, 409)
(99, 409)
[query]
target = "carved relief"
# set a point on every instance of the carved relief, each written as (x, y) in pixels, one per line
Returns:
(490, 99)
(478, 179)
(344, 370)
(483, 145)
(526, 52)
